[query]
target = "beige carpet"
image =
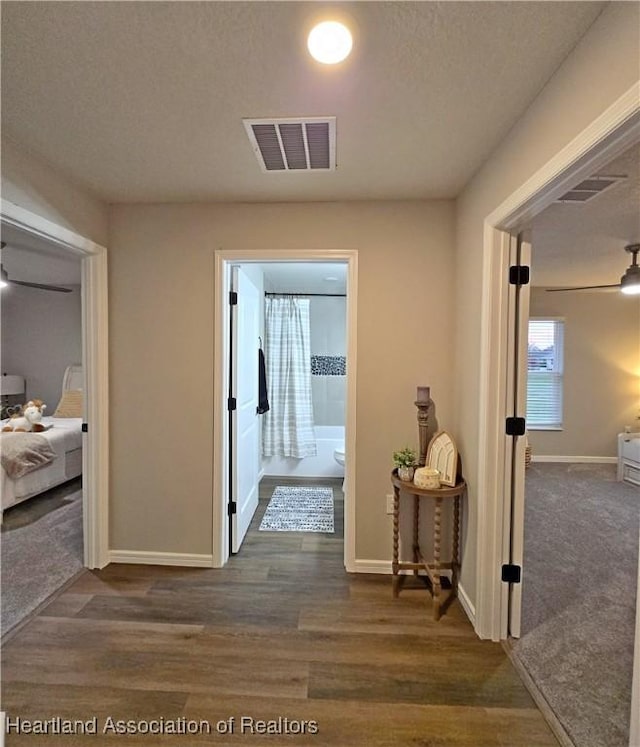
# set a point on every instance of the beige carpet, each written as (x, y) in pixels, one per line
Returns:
(41, 548)
(579, 588)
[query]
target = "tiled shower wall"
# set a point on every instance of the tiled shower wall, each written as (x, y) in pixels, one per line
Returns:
(328, 316)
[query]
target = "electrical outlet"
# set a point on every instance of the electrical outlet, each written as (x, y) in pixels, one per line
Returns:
(389, 504)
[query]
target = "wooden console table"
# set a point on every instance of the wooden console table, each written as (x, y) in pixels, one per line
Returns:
(433, 566)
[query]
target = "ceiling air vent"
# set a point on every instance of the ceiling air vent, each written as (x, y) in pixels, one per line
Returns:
(302, 144)
(590, 188)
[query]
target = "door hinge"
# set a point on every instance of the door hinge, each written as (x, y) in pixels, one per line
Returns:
(515, 426)
(231, 403)
(85, 427)
(233, 298)
(232, 508)
(518, 275)
(511, 573)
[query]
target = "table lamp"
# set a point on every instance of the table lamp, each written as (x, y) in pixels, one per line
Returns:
(10, 385)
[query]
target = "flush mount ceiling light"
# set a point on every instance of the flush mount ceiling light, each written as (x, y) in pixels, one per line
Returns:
(330, 42)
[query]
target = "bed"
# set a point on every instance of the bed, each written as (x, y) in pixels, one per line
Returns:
(64, 435)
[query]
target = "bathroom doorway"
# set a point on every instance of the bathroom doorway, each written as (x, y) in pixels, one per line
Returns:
(307, 462)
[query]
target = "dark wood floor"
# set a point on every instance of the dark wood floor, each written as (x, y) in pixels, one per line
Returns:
(282, 633)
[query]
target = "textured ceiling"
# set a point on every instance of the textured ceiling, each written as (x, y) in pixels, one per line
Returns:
(584, 244)
(144, 101)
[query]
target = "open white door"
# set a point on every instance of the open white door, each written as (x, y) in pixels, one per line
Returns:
(519, 294)
(244, 422)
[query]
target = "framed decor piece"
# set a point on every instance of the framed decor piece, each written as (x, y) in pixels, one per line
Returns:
(443, 456)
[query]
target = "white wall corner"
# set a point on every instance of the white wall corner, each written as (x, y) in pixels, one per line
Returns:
(467, 605)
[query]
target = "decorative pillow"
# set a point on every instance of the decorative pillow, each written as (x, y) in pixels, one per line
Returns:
(70, 405)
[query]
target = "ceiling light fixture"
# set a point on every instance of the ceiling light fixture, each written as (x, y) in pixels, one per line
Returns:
(330, 42)
(630, 281)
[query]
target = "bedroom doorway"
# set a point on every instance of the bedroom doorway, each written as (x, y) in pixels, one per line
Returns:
(260, 266)
(605, 139)
(23, 225)
(580, 343)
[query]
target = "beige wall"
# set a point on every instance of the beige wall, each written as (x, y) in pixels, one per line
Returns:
(32, 184)
(602, 67)
(161, 355)
(601, 381)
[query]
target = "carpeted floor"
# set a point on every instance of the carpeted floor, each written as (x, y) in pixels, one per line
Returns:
(41, 549)
(296, 509)
(579, 588)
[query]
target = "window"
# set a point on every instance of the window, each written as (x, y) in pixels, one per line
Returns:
(544, 382)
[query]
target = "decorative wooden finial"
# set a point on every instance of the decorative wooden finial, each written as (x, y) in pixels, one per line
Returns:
(423, 403)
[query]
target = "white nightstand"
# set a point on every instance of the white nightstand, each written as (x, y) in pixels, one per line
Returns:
(629, 457)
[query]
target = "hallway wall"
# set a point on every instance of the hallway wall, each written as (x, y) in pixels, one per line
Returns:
(161, 322)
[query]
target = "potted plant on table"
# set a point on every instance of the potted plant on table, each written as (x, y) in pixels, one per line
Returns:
(405, 461)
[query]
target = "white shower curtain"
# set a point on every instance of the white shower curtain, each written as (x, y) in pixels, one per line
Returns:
(287, 428)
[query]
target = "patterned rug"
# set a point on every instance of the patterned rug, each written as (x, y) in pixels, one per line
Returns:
(293, 509)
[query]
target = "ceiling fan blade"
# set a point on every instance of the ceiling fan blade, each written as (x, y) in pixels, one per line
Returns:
(40, 286)
(582, 288)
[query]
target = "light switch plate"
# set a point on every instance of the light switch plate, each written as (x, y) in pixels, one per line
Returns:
(389, 504)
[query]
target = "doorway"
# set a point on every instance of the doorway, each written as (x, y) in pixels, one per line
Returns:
(95, 451)
(581, 355)
(607, 137)
(224, 459)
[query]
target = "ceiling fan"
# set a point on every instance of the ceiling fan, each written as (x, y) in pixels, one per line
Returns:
(629, 283)
(5, 281)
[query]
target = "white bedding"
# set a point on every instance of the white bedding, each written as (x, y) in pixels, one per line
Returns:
(64, 435)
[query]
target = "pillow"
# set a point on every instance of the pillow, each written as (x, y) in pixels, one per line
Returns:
(70, 405)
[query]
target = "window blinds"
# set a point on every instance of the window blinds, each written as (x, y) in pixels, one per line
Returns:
(545, 367)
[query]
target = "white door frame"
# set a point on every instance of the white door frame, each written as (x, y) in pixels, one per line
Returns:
(95, 361)
(605, 138)
(223, 259)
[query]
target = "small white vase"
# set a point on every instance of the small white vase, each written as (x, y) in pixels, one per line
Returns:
(405, 473)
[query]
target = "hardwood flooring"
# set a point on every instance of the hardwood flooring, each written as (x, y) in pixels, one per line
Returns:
(282, 635)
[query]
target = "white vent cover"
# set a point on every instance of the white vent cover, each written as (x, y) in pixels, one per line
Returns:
(590, 188)
(293, 144)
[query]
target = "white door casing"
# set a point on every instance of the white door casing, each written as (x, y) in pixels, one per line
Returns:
(244, 422)
(95, 354)
(223, 258)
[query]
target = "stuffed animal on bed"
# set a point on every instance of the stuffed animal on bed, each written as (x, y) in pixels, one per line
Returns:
(30, 419)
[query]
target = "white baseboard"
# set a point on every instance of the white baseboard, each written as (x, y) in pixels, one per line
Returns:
(384, 567)
(142, 557)
(576, 459)
(372, 566)
(467, 605)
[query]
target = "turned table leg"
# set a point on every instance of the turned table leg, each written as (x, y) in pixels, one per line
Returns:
(394, 565)
(416, 531)
(455, 564)
(437, 521)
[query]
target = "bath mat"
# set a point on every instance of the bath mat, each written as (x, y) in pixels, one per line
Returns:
(293, 509)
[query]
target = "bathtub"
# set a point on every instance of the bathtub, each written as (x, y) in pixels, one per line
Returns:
(328, 438)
